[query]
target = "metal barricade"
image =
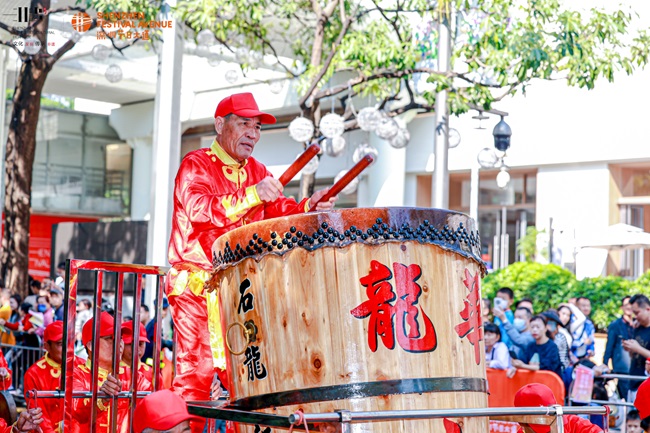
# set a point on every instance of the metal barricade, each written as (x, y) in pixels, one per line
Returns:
(121, 272)
(19, 359)
(624, 404)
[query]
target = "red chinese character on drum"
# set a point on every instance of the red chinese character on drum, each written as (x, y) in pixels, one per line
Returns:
(381, 312)
(471, 314)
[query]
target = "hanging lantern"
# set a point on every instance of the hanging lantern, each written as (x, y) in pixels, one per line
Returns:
(255, 59)
(334, 146)
(214, 60)
(311, 167)
(332, 125)
(100, 52)
(351, 187)
(241, 55)
(276, 86)
(301, 129)
(387, 127)
(75, 36)
(454, 138)
(206, 37)
(32, 45)
(232, 76)
(368, 118)
(401, 139)
(113, 73)
(362, 150)
(202, 50)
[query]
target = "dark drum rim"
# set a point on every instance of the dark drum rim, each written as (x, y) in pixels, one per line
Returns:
(361, 390)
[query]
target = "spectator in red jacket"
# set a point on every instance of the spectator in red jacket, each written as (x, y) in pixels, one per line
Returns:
(642, 403)
(536, 394)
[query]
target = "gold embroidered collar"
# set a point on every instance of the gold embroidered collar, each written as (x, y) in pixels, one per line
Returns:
(217, 150)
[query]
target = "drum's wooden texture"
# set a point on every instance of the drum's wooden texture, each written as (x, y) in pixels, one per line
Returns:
(357, 324)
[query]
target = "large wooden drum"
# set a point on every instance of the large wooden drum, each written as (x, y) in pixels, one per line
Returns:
(360, 310)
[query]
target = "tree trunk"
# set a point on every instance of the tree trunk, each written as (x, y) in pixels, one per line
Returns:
(19, 160)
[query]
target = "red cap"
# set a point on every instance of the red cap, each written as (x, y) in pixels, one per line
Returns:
(642, 402)
(243, 105)
(53, 332)
(534, 395)
(161, 410)
(127, 333)
(106, 324)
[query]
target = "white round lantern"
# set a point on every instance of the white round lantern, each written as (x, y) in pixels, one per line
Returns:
(401, 139)
(368, 118)
(214, 60)
(255, 59)
(241, 55)
(351, 187)
(276, 86)
(331, 125)
(487, 158)
(334, 146)
(232, 76)
(362, 150)
(454, 138)
(100, 52)
(32, 45)
(75, 36)
(387, 127)
(113, 73)
(202, 50)
(311, 167)
(206, 37)
(301, 129)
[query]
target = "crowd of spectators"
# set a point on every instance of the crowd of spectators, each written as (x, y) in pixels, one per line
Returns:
(517, 336)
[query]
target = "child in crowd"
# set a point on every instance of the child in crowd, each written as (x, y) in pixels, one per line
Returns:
(496, 352)
(502, 302)
(633, 422)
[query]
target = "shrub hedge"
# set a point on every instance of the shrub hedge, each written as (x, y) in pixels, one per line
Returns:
(550, 285)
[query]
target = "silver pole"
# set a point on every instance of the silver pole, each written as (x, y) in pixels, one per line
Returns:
(440, 187)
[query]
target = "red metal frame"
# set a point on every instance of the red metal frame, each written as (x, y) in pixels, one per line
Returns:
(73, 267)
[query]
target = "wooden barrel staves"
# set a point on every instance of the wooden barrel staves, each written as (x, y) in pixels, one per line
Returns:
(356, 309)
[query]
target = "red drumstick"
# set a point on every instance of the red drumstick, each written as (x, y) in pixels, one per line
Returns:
(346, 179)
(293, 169)
(299, 163)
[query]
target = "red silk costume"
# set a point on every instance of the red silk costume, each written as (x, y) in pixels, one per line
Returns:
(213, 194)
(81, 409)
(45, 375)
(5, 382)
(146, 371)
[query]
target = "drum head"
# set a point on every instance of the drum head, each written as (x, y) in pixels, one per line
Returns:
(8, 408)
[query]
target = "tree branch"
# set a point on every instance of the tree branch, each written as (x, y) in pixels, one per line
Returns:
(328, 61)
(67, 46)
(13, 30)
(393, 23)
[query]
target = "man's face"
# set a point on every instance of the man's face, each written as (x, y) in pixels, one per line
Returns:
(585, 306)
(144, 316)
(56, 299)
(141, 347)
(642, 314)
(238, 135)
(128, 353)
(521, 314)
(54, 350)
(183, 427)
(526, 304)
(46, 283)
(633, 426)
(106, 350)
(627, 308)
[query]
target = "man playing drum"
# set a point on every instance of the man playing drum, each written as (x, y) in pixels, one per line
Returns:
(217, 189)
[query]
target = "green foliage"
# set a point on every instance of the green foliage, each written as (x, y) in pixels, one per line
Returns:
(499, 46)
(550, 285)
(527, 245)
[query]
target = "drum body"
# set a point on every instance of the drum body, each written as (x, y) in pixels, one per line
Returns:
(360, 310)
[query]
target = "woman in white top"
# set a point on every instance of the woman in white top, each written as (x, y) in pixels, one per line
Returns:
(496, 352)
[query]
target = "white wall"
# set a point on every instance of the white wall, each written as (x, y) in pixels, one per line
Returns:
(577, 198)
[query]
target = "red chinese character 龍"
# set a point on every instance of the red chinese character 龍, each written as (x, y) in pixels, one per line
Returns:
(471, 315)
(381, 312)
(408, 293)
(380, 294)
